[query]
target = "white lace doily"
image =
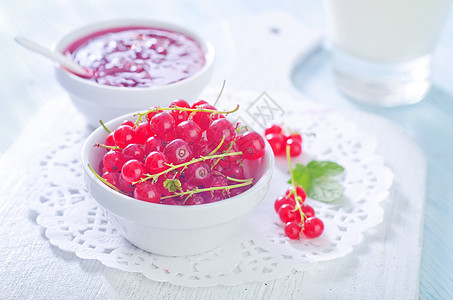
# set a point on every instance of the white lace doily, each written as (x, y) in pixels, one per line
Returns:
(259, 251)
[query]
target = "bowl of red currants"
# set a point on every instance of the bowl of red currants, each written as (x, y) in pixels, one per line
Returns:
(131, 65)
(177, 180)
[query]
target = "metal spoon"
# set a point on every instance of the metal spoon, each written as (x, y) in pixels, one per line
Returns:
(64, 62)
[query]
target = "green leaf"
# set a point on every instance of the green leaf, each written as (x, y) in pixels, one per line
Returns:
(172, 185)
(302, 176)
(325, 189)
(324, 168)
(317, 180)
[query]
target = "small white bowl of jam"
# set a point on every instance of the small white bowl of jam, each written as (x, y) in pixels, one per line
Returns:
(135, 64)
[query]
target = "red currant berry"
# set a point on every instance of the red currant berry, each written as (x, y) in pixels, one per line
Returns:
(203, 148)
(277, 142)
(203, 119)
(293, 230)
(251, 144)
(179, 116)
(133, 151)
(273, 129)
(178, 151)
(297, 137)
(180, 103)
(128, 123)
(162, 124)
(300, 192)
(235, 171)
(156, 162)
(283, 200)
(113, 161)
(221, 128)
(313, 227)
(154, 111)
(146, 191)
(154, 143)
(126, 187)
(189, 131)
(186, 185)
(295, 148)
(112, 178)
(142, 132)
(198, 174)
(198, 103)
(288, 213)
(109, 141)
(124, 135)
(132, 171)
(308, 210)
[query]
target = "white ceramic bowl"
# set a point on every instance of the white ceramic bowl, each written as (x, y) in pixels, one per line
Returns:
(169, 229)
(97, 101)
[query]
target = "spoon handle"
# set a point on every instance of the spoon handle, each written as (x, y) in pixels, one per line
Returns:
(55, 56)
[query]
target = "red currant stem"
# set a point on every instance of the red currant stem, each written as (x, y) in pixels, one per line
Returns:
(103, 180)
(218, 146)
(188, 196)
(216, 188)
(108, 147)
(174, 176)
(288, 157)
(138, 121)
(184, 165)
(293, 182)
(198, 109)
(105, 127)
(220, 94)
(238, 180)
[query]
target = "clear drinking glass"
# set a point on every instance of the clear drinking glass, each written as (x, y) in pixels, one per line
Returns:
(381, 49)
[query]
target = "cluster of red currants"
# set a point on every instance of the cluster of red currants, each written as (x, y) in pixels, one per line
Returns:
(180, 155)
(279, 139)
(298, 217)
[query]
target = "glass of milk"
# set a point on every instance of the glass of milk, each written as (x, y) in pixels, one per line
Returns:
(381, 49)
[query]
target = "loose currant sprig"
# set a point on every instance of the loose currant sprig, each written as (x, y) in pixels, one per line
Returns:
(294, 190)
(299, 218)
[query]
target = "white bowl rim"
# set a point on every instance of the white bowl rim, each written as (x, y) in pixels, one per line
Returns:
(89, 142)
(82, 31)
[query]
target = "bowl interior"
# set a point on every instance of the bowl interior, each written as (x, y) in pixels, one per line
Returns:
(79, 33)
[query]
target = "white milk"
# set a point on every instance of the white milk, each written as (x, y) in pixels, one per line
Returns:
(386, 30)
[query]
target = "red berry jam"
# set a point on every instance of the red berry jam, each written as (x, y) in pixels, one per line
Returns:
(138, 56)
